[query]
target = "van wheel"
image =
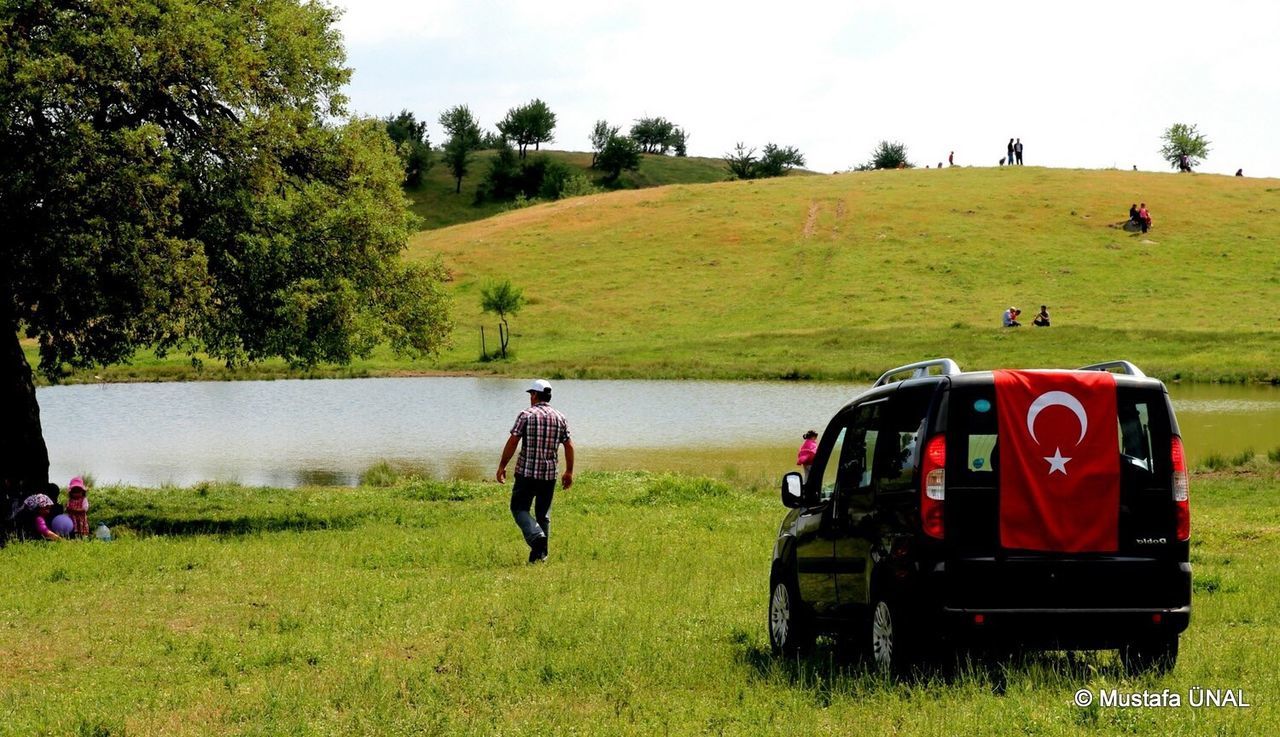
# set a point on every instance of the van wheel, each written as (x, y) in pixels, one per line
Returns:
(790, 630)
(1156, 655)
(889, 644)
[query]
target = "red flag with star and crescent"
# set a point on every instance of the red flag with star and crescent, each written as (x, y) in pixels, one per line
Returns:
(1059, 461)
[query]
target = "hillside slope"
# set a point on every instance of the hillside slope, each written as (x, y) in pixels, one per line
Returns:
(438, 204)
(840, 276)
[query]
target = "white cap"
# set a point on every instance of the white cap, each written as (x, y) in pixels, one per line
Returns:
(539, 385)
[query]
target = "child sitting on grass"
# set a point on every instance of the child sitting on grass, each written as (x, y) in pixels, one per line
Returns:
(78, 507)
(39, 507)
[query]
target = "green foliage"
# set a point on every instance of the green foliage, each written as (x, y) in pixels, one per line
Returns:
(601, 134)
(680, 142)
(503, 299)
(1181, 140)
(464, 137)
(889, 155)
(619, 154)
(490, 140)
(774, 161)
(531, 123)
(410, 138)
(655, 135)
(174, 178)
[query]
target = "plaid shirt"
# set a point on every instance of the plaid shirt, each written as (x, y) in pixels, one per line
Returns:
(543, 429)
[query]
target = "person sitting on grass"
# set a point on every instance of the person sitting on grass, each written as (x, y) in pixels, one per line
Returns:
(39, 507)
(1011, 317)
(1042, 318)
(1144, 217)
(1133, 214)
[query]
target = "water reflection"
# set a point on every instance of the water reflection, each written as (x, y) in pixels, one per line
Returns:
(320, 432)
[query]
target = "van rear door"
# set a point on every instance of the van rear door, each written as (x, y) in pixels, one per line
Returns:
(983, 574)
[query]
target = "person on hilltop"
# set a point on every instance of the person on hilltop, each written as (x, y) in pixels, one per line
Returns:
(1017, 151)
(1010, 319)
(1239, 172)
(543, 430)
(1009, 158)
(951, 159)
(1042, 317)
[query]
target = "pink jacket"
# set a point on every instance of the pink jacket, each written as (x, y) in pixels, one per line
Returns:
(807, 451)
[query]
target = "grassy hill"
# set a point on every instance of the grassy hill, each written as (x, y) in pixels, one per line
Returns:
(841, 276)
(437, 203)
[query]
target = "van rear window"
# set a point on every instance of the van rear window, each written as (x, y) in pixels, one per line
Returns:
(972, 412)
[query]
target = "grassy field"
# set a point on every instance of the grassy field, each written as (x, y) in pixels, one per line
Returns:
(841, 276)
(408, 609)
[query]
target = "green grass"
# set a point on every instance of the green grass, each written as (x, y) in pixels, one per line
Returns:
(409, 610)
(841, 276)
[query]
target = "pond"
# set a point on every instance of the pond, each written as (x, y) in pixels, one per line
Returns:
(288, 433)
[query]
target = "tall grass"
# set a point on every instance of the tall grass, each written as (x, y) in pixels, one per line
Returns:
(409, 609)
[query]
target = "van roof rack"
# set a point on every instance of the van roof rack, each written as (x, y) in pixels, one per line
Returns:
(1125, 367)
(921, 368)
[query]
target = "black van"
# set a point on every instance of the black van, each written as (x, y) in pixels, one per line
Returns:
(896, 537)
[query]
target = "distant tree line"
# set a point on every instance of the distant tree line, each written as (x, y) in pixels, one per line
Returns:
(512, 174)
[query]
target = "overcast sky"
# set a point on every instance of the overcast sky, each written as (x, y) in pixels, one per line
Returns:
(1083, 84)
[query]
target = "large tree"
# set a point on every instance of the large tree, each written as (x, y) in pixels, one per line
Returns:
(532, 123)
(889, 155)
(170, 177)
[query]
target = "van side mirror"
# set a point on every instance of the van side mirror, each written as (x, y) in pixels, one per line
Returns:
(792, 490)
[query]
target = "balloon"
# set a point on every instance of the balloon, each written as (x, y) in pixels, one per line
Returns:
(62, 525)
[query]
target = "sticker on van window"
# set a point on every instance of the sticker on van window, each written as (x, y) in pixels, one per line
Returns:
(982, 405)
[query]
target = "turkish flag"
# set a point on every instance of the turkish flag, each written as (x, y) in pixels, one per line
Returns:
(1059, 461)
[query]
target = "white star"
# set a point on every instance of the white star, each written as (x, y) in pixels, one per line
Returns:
(1057, 462)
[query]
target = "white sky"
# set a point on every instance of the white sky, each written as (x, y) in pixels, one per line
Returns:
(1083, 83)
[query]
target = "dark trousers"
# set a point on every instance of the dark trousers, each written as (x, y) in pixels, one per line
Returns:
(527, 492)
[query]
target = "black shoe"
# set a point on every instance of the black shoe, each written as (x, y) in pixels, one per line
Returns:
(538, 551)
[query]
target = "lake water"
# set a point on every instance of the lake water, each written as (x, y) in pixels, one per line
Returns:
(287, 433)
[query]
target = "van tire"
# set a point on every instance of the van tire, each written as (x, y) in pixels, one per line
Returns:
(887, 638)
(1156, 655)
(790, 627)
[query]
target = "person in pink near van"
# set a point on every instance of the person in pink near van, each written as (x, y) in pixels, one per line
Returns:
(808, 449)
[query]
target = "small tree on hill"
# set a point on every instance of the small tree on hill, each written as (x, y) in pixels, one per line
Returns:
(1182, 140)
(619, 154)
(464, 137)
(741, 162)
(774, 161)
(502, 299)
(654, 135)
(600, 136)
(680, 142)
(889, 155)
(528, 124)
(410, 137)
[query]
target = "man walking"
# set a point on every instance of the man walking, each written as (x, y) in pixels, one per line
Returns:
(543, 430)
(1017, 151)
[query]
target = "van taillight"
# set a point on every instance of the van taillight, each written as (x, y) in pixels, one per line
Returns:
(1181, 489)
(933, 486)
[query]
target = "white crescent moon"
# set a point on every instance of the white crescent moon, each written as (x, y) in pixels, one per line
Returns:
(1049, 399)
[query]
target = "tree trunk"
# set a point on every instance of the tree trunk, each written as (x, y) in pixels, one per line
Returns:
(458, 189)
(484, 350)
(24, 459)
(503, 335)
